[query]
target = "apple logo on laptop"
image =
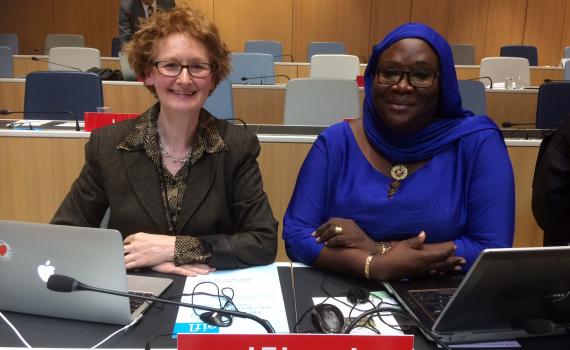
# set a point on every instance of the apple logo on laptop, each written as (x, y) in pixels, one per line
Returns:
(45, 271)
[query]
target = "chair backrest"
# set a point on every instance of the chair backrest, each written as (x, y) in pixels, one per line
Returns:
(567, 52)
(76, 57)
(525, 51)
(66, 40)
(473, 96)
(77, 92)
(499, 68)
(221, 103)
(128, 72)
(463, 54)
(247, 66)
(567, 71)
(6, 62)
(115, 46)
(10, 40)
(325, 48)
(274, 48)
(335, 66)
(553, 104)
(310, 101)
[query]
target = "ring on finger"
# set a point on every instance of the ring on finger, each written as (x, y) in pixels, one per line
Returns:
(338, 230)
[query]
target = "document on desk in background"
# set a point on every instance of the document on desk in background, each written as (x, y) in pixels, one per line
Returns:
(256, 290)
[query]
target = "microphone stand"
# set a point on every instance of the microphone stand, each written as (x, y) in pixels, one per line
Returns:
(34, 58)
(265, 76)
(57, 282)
(77, 128)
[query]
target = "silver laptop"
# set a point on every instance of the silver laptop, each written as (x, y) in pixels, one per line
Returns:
(30, 253)
(507, 294)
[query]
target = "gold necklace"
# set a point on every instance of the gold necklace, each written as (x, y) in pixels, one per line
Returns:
(398, 172)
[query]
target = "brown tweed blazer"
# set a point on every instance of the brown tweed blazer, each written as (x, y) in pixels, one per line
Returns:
(224, 203)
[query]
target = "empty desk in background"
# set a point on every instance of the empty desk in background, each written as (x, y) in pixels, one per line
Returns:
(23, 64)
(263, 104)
(537, 74)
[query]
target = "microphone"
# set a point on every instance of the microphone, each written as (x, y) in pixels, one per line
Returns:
(485, 77)
(265, 76)
(509, 124)
(7, 112)
(66, 284)
(34, 58)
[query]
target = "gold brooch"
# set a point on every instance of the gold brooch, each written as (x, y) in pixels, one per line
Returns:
(398, 172)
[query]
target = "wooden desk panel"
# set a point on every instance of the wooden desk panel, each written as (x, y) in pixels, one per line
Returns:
(42, 169)
(516, 106)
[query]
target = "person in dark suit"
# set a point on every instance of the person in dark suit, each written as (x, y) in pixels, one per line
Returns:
(551, 187)
(131, 12)
(183, 187)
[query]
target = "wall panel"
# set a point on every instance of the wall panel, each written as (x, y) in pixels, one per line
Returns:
(467, 24)
(432, 13)
(242, 20)
(206, 6)
(386, 15)
(331, 20)
(543, 29)
(505, 25)
(565, 41)
(96, 20)
(30, 19)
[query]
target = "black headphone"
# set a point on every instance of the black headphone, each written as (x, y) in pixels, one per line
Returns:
(358, 295)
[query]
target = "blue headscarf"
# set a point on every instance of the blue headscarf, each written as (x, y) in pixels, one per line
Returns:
(453, 123)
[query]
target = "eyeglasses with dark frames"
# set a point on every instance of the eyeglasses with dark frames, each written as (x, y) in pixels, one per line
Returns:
(173, 69)
(420, 78)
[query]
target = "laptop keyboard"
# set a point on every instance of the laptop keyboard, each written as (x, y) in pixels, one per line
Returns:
(135, 302)
(432, 301)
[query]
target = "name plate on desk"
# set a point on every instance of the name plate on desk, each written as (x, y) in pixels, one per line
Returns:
(294, 342)
(96, 120)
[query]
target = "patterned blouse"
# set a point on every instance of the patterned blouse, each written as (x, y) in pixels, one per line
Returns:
(187, 249)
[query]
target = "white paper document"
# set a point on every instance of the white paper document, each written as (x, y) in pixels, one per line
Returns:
(255, 290)
(385, 326)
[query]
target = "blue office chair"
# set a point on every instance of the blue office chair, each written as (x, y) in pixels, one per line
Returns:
(6, 62)
(567, 52)
(567, 71)
(553, 104)
(115, 46)
(10, 40)
(51, 91)
(524, 51)
(325, 48)
(473, 96)
(252, 68)
(274, 48)
(463, 54)
(221, 103)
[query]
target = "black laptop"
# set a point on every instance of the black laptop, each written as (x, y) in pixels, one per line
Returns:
(507, 294)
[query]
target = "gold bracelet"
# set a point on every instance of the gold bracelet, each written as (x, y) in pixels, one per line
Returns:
(367, 266)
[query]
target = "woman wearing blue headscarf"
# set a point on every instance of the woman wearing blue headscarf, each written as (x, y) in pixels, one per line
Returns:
(418, 185)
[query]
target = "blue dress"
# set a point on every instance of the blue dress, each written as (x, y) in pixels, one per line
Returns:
(464, 194)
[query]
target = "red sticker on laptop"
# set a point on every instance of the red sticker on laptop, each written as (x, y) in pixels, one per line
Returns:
(5, 251)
